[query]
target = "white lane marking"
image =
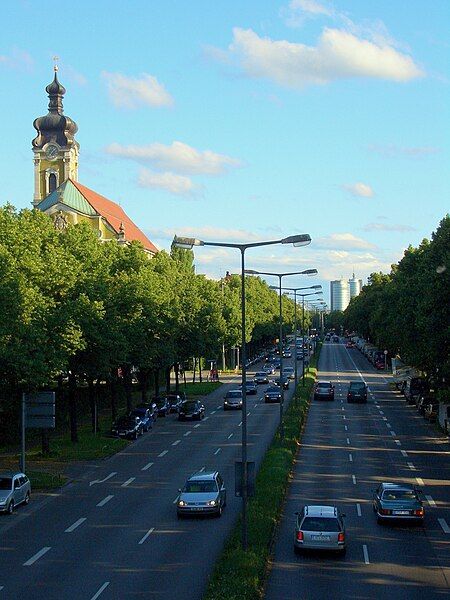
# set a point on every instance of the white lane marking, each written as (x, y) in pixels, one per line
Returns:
(102, 480)
(345, 427)
(411, 466)
(176, 442)
(348, 441)
(187, 433)
(75, 525)
(354, 480)
(141, 541)
(342, 408)
(248, 414)
(255, 405)
(105, 500)
(218, 407)
(163, 453)
(381, 412)
(366, 554)
(127, 482)
(384, 418)
(218, 450)
(420, 481)
(404, 453)
(37, 556)
(358, 509)
(430, 501)
(393, 433)
(231, 435)
(388, 425)
(350, 458)
(398, 442)
(201, 470)
(240, 424)
(205, 418)
(101, 589)
(343, 416)
(198, 425)
(147, 467)
(213, 412)
(443, 524)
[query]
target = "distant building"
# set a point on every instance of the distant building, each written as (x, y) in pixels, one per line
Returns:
(339, 294)
(355, 286)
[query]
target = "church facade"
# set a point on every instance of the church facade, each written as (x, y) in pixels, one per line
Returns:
(57, 191)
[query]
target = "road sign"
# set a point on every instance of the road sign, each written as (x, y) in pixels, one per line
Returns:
(40, 410)
(238, 476)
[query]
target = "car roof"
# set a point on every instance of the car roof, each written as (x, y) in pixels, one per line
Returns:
(397, 486)
(202, 475)
(321, 511)
(322, 382)
(11, 473)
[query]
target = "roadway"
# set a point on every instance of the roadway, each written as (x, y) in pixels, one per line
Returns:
(346, 451)
(113, 533)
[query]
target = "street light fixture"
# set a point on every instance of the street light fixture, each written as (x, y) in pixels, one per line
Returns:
(280, 343)
(188, 243)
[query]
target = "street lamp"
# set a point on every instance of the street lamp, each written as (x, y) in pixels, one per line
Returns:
(188, 243)
(295, 291)
(280, 343)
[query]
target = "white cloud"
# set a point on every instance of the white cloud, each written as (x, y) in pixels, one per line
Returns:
(338, 54)
(18, 60)
(343, 241)
(177, 157)
(388, 227)
(132, 92)
(299, 10)
(393, 150)
(207, 232)
(170, 182)
(363, 190)
(73, 75)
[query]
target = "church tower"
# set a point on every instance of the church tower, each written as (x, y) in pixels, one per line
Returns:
(55, 149)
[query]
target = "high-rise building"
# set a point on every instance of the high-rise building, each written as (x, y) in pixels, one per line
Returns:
(339, 294)
(355, 286)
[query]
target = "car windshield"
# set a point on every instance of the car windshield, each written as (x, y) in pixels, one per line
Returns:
(273, 390)
(399, 495)
(320, 524)
(160, 402)
(190, 405)
(200, 487)
(234, 394)
(5, 483)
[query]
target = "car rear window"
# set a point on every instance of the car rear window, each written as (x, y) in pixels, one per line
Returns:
(261, 374)
(399, 495)
(5, 483)
(323, 385)
(357, 386)
(200, 487)
(320, 524)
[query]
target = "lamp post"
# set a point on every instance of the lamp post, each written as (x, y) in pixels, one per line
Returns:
(280, 344)
(188, 243)
(295, 291)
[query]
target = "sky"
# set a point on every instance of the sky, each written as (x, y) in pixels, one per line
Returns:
(244, 120)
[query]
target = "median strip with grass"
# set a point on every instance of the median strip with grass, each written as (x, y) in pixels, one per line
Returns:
(239, 574)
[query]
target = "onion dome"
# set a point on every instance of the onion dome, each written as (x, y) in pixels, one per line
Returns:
(55, 126)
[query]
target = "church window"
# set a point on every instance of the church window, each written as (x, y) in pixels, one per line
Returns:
(52, 184)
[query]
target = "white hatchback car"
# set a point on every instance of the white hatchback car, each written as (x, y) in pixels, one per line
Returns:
(15, 489)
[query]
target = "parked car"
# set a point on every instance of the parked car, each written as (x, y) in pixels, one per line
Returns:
(175, 401)
(393, 501)
(250, 388)
(357, 392)
(261, 377)
(128, 427)
(324, 390)
(319, 528)
(423, 401)
(151, 406)
(282, 381)
(273, 394)
(162, 406)
(414, 386)
(203, 493)
(191, 410)
(232, 399)
(430, 411)
(15, 489)
(349, 344)
(269, 368)
(289, 372)
(144, 415)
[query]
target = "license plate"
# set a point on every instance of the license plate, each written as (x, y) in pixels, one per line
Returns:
(320, 538)
(400, 512)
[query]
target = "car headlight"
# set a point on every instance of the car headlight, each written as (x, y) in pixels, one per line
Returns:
(212, 502)
(182, 503)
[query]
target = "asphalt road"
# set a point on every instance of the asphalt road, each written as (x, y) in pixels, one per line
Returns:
(346, 451)
(114, 533)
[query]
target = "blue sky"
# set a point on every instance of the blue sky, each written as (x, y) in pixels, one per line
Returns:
(244, 120)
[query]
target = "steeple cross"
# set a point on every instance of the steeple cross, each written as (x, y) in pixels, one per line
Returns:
(55, 60)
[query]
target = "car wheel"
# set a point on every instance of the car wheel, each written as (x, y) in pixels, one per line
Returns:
(11, 506)
(27, 498)
(219, 512)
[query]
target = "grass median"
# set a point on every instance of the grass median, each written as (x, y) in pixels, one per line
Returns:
(240, 575)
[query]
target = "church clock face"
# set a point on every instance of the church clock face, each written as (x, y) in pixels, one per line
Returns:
(51, 152)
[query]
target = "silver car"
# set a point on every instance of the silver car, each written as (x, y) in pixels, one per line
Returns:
(233, 399)
(203, 493)
(319, 528)
(15, 489)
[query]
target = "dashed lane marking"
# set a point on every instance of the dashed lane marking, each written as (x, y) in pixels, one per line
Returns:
(240, 424)
(348, 441)
(231, 435)
(345, 427)
(366, 555)
(187, 433)
(384, 418)
(411, 466)
(398, 442)
(213, 412)
(420, 481)
(388, 425)
(149, 532)
(354, 480)
(102, 480)
(100, 590)
(176, 442)
(443, 524)
(430, 501)
(205, 418)
(37, 556)
(218, 450)
(127, 482)
(198, 425)
(404, 453)
(350, 458)
(75, 525)
(105, 500)
(163, 453)
(358, 509)
(392, 433)
(201, 470)
(147, 466)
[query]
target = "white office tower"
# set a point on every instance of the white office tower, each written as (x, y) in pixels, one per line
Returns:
(340, 294)
(355, 286)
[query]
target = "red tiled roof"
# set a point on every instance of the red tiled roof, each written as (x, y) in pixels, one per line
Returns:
(115, 215)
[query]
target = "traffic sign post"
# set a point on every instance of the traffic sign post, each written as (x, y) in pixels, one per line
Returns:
(38, 411)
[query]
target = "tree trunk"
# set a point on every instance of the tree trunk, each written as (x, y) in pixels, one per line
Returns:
(73, 407)
(168, 371)
(156, 373)
(128, 385)
(176, 368)
(194, 367)
(113, 393)
(200, 369)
